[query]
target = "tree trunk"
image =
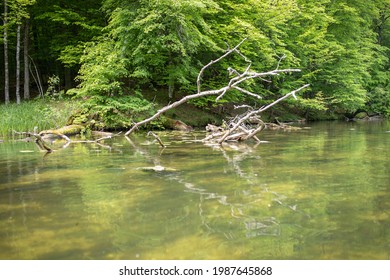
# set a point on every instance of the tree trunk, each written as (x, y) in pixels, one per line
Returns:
(65, 130)
(17, 91)
(68, 79)
(171, 88)
(6, 67)
(26, 86)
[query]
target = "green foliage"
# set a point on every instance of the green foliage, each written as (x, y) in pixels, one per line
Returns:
(102, 76)
(53, 90)
(379, 101)
(112, 113)
(123, 47)
(335, 46)
(161, 39)
(102, 69)
(64, 27)
(19, 10)
(44, 114)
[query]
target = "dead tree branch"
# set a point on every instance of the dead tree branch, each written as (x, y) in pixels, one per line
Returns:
(252, 113)
(157, 138)
(198, 80)
(233, 84)
(48, 134)
(38, 140)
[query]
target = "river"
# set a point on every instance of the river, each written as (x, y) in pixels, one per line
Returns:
(319, 193)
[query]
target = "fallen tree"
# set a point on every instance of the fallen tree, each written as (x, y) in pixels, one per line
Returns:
(68, 130)
(239, 125)
(43, 138)
(237, 130)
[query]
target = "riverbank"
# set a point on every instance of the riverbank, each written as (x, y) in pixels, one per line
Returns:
(41, 113)
(48, 114)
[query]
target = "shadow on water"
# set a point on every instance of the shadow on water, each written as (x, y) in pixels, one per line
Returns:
(321, 193)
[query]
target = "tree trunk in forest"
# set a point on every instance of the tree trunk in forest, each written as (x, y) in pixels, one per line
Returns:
(6, 67)
(171, 88)
(68, 79)
(17, 91)
(381, 26)
(26, 86)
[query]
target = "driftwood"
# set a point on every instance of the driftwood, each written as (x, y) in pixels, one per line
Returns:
(38, 140)
(42, 138)
(65, 130)
(282, 126)
(157, 138)
(249, 115)
(237, 131)
(244, 132)
(175, 124)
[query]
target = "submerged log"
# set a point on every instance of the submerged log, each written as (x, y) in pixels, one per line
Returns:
(175, 124)
(213, 128)
(68, 130)
(281, 126)
(38, 140)
(41, 143)
(158, 168)
(157, 138)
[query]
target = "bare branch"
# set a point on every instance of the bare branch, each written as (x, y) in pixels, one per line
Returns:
(233, 84)
(247, 92)
(280, 60)
(38, 140)
(243, 56)
(157, 138)
(215, 61)
(258, 111)
(242, 106)
(175, 104)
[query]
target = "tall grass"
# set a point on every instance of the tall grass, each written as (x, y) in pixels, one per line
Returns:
(44, 114)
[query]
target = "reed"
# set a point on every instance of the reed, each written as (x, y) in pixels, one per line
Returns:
(43, 114)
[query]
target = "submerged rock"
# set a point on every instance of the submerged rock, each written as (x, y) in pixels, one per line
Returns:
(158, 168)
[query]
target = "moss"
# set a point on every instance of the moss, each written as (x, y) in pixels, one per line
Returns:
(66, 130)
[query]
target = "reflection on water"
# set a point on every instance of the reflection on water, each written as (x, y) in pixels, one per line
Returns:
(322, 193)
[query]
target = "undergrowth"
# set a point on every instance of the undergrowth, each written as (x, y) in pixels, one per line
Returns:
(42, 113)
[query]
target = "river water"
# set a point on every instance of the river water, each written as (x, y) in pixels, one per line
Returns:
(318, 193)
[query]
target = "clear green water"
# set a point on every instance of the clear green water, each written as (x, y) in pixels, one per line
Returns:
(322, 193)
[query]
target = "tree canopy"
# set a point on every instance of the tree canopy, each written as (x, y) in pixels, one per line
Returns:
(118, 50)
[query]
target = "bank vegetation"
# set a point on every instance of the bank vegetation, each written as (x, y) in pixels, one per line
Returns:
(125, 60)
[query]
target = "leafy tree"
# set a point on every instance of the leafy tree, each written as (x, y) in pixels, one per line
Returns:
(350, 71)
(15, 11)
(335, 46)
(5, 40)
(103, 72)
(146, 43)
(61, 28)
(379, 85)
(124, 47)
(263, 23)
(19, 15)
(162, 39)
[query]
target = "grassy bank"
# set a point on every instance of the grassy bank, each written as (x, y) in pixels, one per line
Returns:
(43, 114)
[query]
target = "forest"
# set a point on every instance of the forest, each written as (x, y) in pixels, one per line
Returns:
(283, 112)
(122, 59)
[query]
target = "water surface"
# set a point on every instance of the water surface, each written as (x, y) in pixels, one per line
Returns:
(319, 193)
